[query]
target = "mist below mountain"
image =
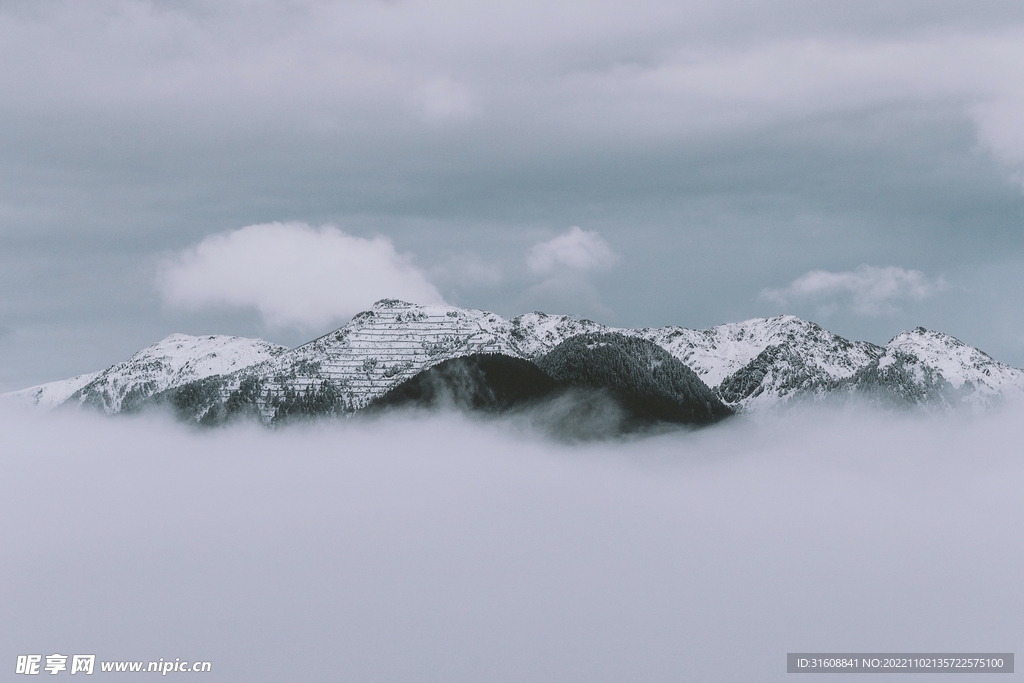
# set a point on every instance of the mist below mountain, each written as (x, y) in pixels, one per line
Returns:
(443, 548)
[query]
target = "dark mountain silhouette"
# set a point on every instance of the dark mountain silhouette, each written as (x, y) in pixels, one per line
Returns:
(589, 386)
(487, 382)
(649, 384)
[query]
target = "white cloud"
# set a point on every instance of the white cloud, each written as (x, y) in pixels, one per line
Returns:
(564, 264)
(578, 250)
(293, 274)
(872, 290)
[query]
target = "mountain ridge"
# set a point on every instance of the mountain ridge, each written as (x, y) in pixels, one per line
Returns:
(172, 362)
(752, 365)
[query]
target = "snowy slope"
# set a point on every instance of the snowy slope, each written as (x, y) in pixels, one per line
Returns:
(534, 334)
(720, 351)
(714, 353)
(362, 360)
(51, 394)
(393, 341)
(766, 361)
(802, 361)
(753, 365)
(177, 360)
(379, 349)
(922, 366)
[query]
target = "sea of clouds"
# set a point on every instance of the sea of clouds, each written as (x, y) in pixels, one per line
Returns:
(438, 548)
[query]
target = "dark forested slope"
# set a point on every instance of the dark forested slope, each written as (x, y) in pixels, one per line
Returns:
(650, 384)
(488, 382)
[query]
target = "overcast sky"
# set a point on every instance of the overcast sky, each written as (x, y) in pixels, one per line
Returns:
(859, 164)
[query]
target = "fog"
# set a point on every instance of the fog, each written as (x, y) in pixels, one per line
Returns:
(442, 549)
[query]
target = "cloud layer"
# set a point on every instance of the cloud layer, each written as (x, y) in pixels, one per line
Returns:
(440, 549)
(736, 143)
(688, 68)
(293, 274)
(870, 290)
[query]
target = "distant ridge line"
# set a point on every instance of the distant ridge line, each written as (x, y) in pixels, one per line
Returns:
(752, 365)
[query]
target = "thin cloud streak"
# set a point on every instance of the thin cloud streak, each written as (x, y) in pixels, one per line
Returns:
(872, 290)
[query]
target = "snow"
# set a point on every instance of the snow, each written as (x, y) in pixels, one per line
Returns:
(755, 364)
(388, 344)
(974, 373)
(719, 352)
(172, 362)
(537, 333)
(51, 394)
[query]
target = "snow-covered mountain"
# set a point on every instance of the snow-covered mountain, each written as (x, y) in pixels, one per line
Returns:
(923, 367)
(763, 356)
(534, 334)
(172, 362)
(800, 360)
(51, 394)
(374, 352)
(752, 365)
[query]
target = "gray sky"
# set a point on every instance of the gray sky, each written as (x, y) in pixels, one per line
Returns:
(720, 154)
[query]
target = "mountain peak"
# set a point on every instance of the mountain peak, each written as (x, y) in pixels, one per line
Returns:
(966, 369)
(173, 361)
(393, 303)
(752, 364)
